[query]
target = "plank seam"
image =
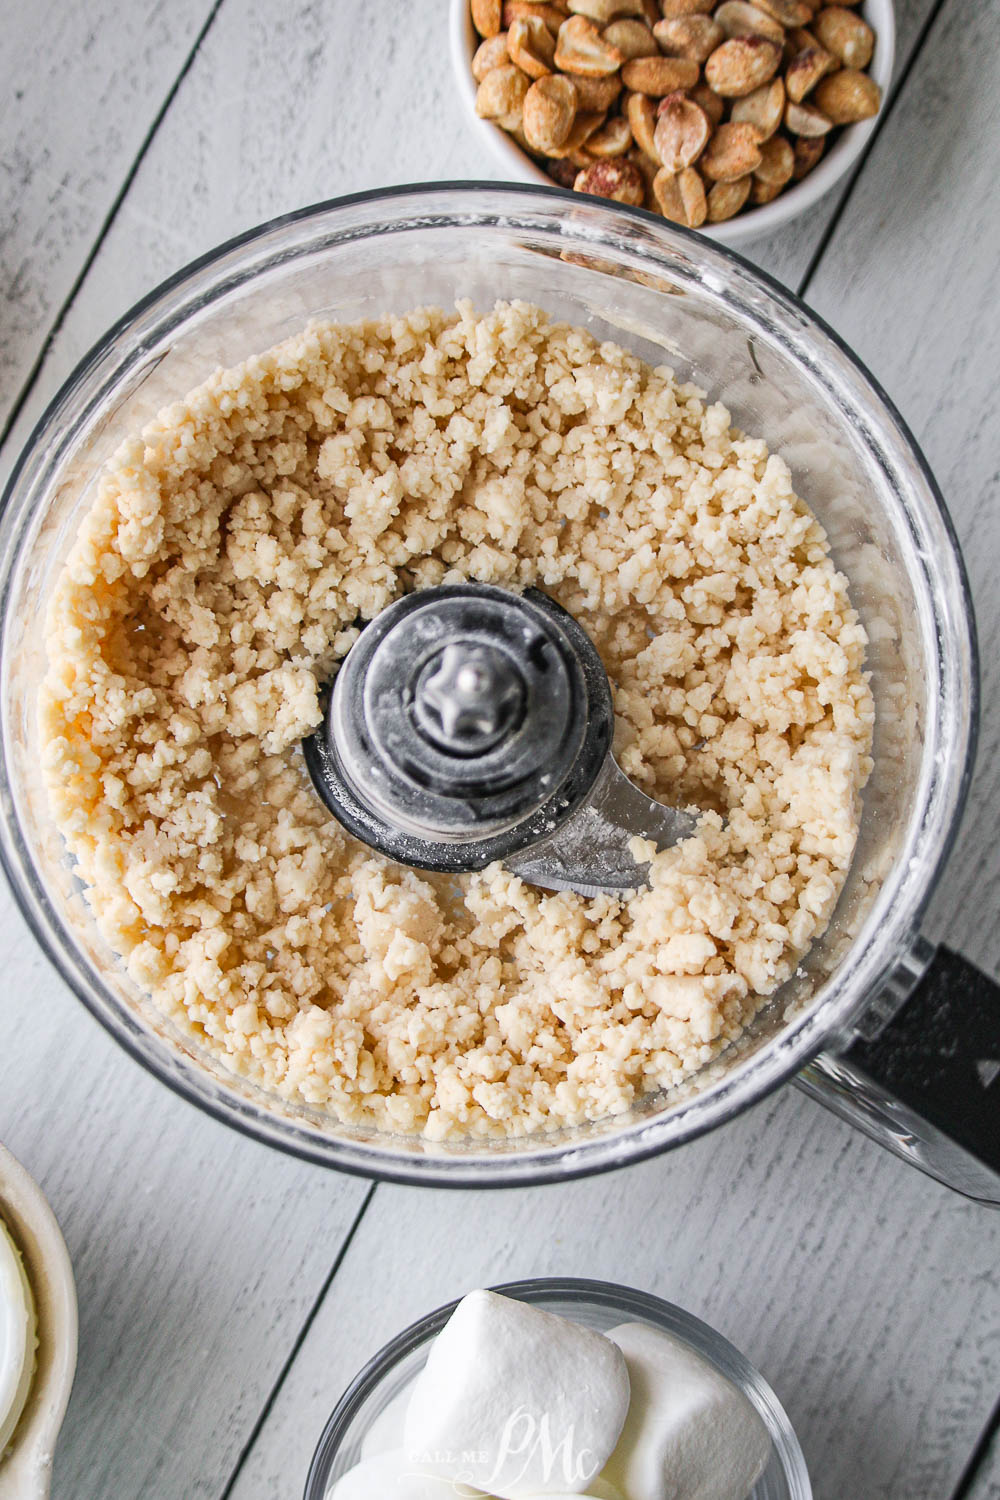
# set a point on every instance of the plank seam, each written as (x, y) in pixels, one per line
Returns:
(890, 104)
(978, 1458)
(296, 1347)
(102, 234)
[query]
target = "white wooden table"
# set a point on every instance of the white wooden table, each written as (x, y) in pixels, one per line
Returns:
(227, 1294)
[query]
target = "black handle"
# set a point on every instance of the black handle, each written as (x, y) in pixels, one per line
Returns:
(928, 1086)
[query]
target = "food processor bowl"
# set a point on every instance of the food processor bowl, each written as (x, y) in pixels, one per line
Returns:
(673, 298)
(596, 1304)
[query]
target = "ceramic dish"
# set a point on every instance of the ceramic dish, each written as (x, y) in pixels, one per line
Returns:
(26, 1471)
(838, 161)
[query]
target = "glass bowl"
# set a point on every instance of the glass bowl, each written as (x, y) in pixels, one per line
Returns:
(595, 1304)
(673, 297)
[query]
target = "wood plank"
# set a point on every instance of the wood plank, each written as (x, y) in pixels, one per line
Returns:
(787, 1231)
(985, 1484)
(284, 106)
(280, 108)
(80, 86)
(912, 282)
(197, 1253)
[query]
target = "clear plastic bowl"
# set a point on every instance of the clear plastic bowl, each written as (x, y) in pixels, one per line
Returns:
(596, 1304)
(675, 298)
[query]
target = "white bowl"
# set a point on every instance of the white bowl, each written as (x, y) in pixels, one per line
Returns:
(849, 145)
(26, 1470)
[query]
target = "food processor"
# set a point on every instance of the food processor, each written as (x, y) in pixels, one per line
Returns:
(893, 1034)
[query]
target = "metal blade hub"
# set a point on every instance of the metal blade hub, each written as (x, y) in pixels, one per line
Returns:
(468, 724)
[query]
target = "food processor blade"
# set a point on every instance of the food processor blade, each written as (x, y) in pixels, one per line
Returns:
(590, 853)
(470, 724)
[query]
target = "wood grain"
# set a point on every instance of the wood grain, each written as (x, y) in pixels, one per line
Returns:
(912, 282)
(867, 1294)
(986, 1480)
(80, 86)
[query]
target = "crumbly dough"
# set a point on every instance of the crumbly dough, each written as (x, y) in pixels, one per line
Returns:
(220, 577)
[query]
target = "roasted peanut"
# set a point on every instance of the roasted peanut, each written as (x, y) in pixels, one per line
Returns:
(580, 48)
(741, 65)
(713, 106)
(680, 196)
(486, 16)
(491, 53)
(647, 166)
(612, 139)
(641, 114)
(799, 39)
(501, 94)
(788, 12)
(548, 113)
(808, 151)
(689, 36)
(603, 11)
(727, 198)
(739, 18)
(848, 96)
(708, 89)
(672, 8)
(777, 162)
(763, 109)
(733, 151)
(845, 35)
(597, 93)
(531, 46)
(682, 132)
(763, 192)
(804, 119)
(632, 38)
(620, 180)
(805, 71)
(563, 173)
(659, 75)
(529, 10)
(577, 143)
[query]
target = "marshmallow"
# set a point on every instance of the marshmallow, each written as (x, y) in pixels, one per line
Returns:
(391, 1476)
(386, 1431)
(517, 1401)
(689, 1432)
